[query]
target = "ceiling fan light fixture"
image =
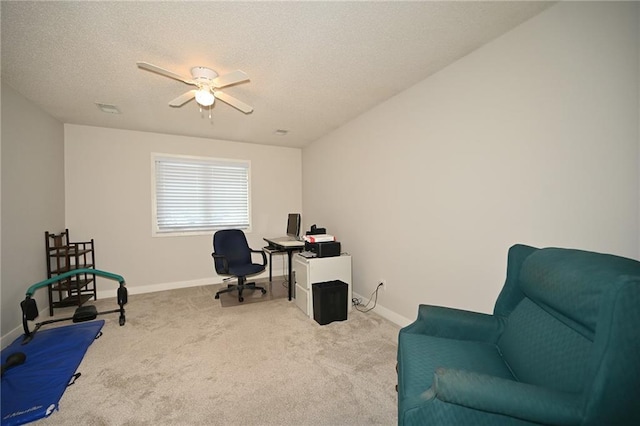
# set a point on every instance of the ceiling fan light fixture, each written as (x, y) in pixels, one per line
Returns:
(204, 97)
(206, 81)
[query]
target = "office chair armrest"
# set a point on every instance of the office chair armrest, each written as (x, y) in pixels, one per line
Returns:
(225, 263)
(264, 256)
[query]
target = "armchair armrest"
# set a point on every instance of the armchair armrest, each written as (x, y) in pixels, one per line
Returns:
(507, 397)
(456, 324)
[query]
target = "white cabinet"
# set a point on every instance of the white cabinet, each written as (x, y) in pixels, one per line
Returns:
(308, 271)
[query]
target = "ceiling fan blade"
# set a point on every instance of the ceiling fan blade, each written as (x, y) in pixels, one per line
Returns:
(234, 102)
(153, 68)
(234, 77)
(183, 99)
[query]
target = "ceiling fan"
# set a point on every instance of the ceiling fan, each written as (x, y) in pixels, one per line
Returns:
(207, 82)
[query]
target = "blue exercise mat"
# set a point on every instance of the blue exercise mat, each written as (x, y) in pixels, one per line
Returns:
(32, 390)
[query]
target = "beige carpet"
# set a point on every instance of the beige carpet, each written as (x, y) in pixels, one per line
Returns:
(182, 359)
(277, 289)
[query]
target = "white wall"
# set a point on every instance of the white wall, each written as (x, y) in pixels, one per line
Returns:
(108, 198)
(32, 202)
(531, 139)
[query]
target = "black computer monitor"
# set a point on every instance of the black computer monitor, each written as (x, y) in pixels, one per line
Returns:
(293, 225)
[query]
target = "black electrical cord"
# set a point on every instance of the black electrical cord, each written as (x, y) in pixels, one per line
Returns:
(374, 303)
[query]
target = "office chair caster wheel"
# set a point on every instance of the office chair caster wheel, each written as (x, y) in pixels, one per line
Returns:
(264, 291)
(217, 296)
(240, 299)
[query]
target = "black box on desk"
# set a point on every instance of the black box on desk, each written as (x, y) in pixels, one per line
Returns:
(325, 249)
(330, 301)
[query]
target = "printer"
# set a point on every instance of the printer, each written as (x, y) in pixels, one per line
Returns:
(324, 249)
(317, 241)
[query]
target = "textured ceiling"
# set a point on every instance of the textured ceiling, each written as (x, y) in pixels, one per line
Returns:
(313, 65)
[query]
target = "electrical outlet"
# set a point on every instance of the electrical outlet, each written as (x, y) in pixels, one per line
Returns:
(382, 281)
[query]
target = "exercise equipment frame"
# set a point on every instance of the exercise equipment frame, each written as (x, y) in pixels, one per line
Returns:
(83, 313)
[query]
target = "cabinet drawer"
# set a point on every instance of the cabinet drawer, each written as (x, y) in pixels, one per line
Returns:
(301, 269)
(302, 299)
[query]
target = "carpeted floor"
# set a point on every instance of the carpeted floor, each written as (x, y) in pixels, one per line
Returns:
(183, 359)
(276, 289)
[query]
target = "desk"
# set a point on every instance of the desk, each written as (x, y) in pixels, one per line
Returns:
(290, 247)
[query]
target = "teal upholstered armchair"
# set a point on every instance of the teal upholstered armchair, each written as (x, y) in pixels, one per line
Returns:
(561, 348)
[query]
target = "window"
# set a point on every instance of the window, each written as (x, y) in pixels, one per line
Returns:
(199, 194)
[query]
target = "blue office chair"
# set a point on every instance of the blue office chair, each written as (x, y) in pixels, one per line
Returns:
(232, 256)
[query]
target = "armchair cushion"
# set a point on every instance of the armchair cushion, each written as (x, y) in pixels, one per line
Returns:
(479, 357)
(542, 350)
(575, 291)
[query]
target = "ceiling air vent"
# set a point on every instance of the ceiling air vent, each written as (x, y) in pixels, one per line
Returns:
(111, 109)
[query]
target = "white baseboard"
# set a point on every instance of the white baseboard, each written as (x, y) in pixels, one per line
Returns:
(388, 314)
(8, 338)
(152, 288)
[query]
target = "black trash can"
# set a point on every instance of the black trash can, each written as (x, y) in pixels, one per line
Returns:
(330, 301)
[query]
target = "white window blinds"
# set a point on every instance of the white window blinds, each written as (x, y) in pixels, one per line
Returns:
(200, 194)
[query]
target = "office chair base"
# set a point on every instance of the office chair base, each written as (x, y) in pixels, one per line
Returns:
(240, 288)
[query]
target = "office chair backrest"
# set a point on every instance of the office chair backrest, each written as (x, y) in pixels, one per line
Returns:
(232, 244)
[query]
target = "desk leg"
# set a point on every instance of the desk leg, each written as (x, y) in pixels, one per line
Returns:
(290, 255)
